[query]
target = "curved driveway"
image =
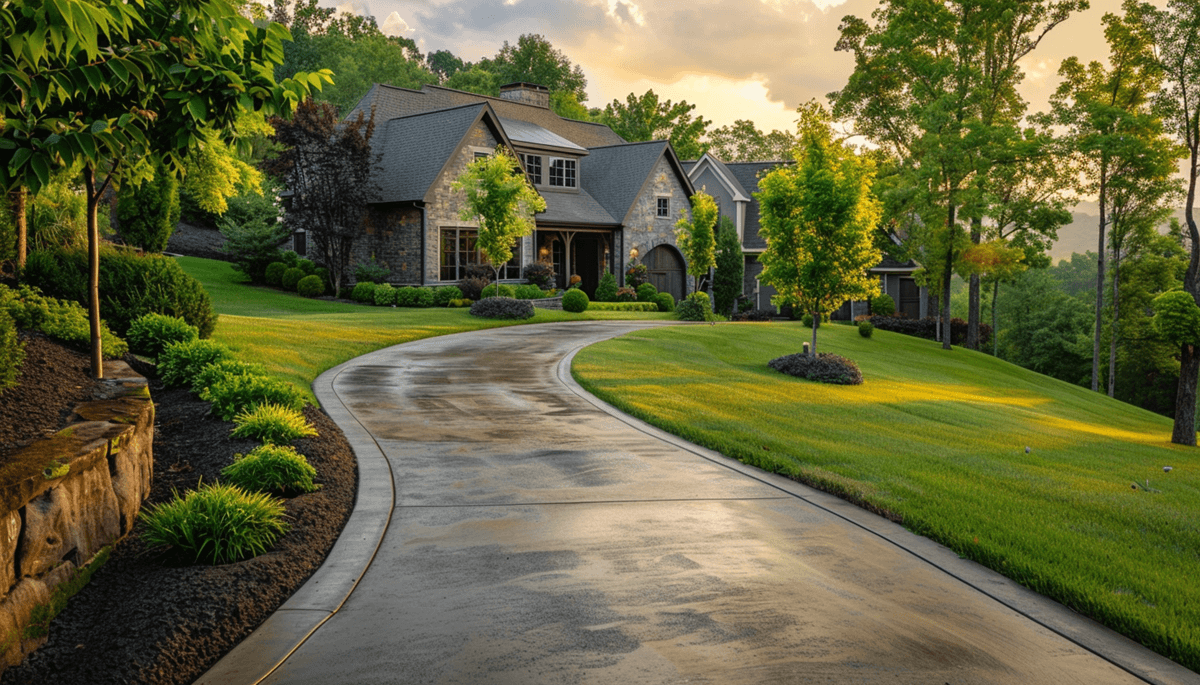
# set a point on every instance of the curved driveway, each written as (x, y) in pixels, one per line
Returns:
(538, 537)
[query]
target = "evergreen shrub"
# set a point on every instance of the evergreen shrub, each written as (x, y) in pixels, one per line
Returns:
(607, 290)
(694, 307)
(311, 286)
(575, 301)
(865, 329)
(540, 274)
(276, 469)
(472, 287)
(364, 291)
(623, 306)
(180, 363)
(384, 295)
(291, 278)
(147, 214)
(665, 302)
(446, 294)
(222, 369)
(232, 394)
(502, 308)
(406, 296)
(425, 297)
(646, 292)
(528, 292)
(823, 367)
(273, 275)
(150, 333)
(505, 291)
(883, 305)
(371, 271)
(12, 352)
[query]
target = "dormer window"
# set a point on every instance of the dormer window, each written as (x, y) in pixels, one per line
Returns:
(562, 172)
(533, 167)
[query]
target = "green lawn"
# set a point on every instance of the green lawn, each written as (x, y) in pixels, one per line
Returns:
(938, 439)
(298, 338)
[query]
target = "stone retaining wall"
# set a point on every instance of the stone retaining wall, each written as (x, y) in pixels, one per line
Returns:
(65, 498)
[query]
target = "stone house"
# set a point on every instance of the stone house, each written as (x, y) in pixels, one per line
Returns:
(607, 201)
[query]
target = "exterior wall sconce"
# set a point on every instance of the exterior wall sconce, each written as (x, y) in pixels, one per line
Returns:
(633, 253)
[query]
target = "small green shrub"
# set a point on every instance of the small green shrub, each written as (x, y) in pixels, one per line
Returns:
(273, 424)
(307, 266)
(665, 302)
(446, 294)
(527, 292)
(695, 307)
(865, 328)
(883, 305)
(68, 323)
(216, 524)
(623, 306)
(150, 333)
(232, 394)
(807, 321)
(12, 352)
(540, 274)
(607, 290)
(180, 363)
(385, 295)
(311, 286)
(371, 271)
(425, 298)
(462, 302)
(505, 291)
(222, 369)
(575, 301)
(626, 295)
(502, 308)
(272, 468)
(364, 291)
(646, 292)
(291, 277)
(406, 296)
(274, 273)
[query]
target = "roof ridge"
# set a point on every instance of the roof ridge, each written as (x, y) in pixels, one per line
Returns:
(640, 142)
(439, 111)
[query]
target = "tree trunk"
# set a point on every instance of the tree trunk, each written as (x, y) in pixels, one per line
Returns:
(816, 323)
(947, 273)
(995, 330)
(1099, 283)
(1112, 338)
(973, 293)
(93, 231)
(1184, 432)
(22, 226)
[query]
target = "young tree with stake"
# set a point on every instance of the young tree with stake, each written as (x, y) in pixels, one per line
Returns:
(696, 239)
(500, 198)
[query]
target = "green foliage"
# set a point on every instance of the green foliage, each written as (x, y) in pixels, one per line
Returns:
(504, 289)
(180, 363)
(311, 286)
(234, 393)
(1177, 318)
(636, 274)
(606, 291)
(807, 320)
(56, 217)
(43, 614)
(384, 295)
(359, 62)
(273, 424)
(1044, 329)
(644, 117)
(694, 307)
(150, 333)
(646, 292)
(425, 298)
(272, 468)
(823, 368)
(406, 296)
(499, 197)
(883, 305)
(695, 237)
(462, 302)
(866, 328)
(364, 291)
(665, 302)
(540, 274)
(130, 285)
(253, 245)
(731, 267)
(575, 301)
(62, 320)
(221, 369)
(446, 294)
(502, 308)
(149, 212)
(216, 523)
(371, 271)
(273, 274)
(527, 292)
(12, 351)
(742, 141)
(626, 295)
(291, 278)
(623, 306)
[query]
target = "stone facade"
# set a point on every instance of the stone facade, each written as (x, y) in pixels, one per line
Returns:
(392, 237)
(69, 496)
(644, 229)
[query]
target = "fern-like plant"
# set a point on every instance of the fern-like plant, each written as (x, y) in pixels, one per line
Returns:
(272, 468)
(272, 423)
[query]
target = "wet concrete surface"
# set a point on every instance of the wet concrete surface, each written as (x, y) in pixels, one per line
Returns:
(537, 539)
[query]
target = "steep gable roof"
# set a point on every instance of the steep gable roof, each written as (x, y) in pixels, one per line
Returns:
(748, 173)
(616, 174)
(391, 102)
(736, 189)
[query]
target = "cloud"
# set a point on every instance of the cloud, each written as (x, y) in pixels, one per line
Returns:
(394, 25)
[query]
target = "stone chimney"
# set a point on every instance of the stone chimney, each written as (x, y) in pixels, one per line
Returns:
(527, 93)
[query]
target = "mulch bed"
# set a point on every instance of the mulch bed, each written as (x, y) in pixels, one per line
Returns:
(35, 408)
(148, 618)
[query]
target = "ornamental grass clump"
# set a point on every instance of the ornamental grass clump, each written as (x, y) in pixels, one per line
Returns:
(150, 333)
(272, 469)
(272, 423)
(824, 367)
(216, 523)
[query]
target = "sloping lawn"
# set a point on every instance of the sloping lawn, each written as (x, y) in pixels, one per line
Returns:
(938, 439)
(297, 338)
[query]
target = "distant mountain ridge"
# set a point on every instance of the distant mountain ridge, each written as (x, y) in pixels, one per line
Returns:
(1082, 234)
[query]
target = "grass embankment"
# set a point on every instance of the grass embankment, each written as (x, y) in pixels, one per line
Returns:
(297, 338)
(938, 440)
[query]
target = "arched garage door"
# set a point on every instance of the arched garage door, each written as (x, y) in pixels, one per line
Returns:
(665, 268)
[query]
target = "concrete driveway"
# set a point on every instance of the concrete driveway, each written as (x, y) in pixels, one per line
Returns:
(538, 537)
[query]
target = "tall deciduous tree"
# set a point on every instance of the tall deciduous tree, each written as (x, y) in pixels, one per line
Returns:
(695, 237)
(327, 164)
(1176, 35)
(819, 219)
(500, 199)
(115, 86)
(645, 117)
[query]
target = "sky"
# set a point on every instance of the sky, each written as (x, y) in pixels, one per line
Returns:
(733, 59)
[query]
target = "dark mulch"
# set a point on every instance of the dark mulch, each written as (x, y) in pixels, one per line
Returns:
(52, 380)
(145, 618)
(823, 367)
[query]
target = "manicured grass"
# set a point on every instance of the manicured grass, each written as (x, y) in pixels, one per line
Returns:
(938, 439)
(297, 338)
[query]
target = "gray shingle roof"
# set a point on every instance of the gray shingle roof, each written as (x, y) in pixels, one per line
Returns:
(615, 174)
(415, 149)
(525, 132)
(747, 173)
(574, 208)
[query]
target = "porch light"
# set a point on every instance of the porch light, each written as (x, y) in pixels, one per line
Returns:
(543, 252)
(633, 253)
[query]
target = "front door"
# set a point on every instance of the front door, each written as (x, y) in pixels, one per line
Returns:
(910, 299)
(586, 262)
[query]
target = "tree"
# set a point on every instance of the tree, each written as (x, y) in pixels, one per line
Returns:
(1176, 35)
(819, 218)
(500, 199)
(534, 60)
(695, 238)
(1044, 329)
(741, 141)
(443, 64)
(645, 117)
(327, 164)
(149, 212)
(161, 75)
(359, 62)
(731, 268)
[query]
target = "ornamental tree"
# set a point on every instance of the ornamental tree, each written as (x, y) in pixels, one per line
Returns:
(819, 219)
(500, 199)
(696, 239)
(731, 268)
